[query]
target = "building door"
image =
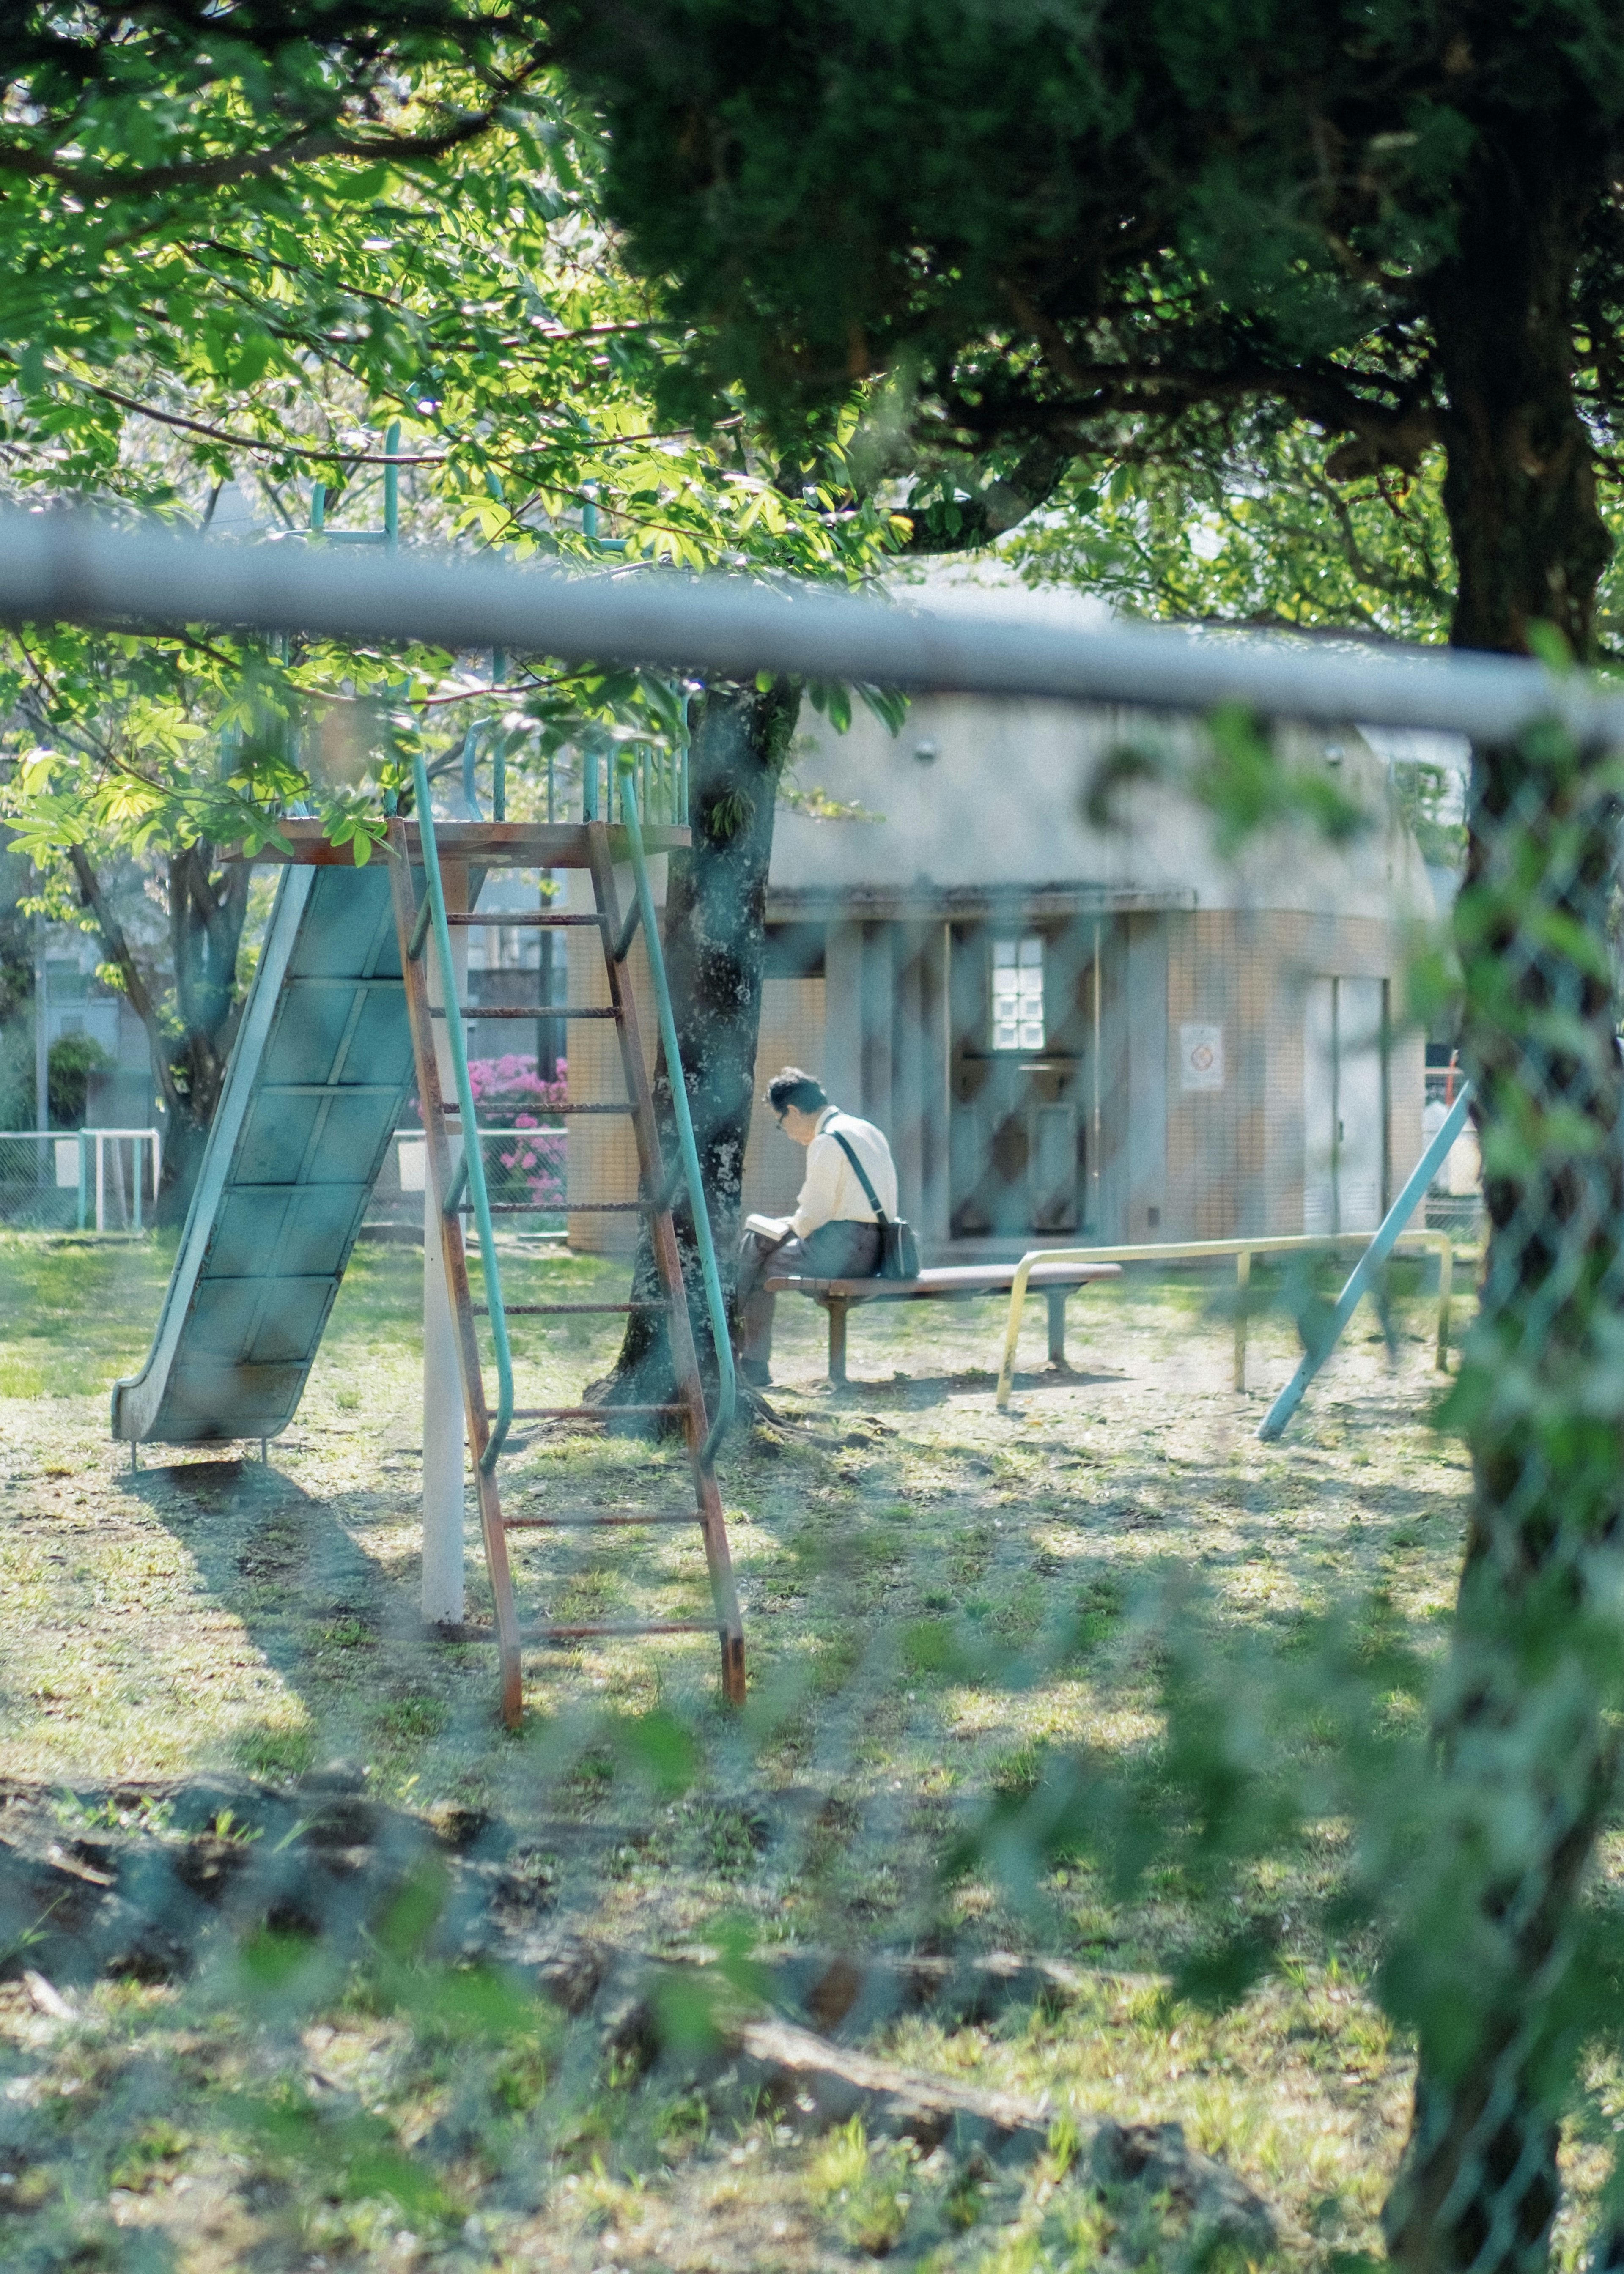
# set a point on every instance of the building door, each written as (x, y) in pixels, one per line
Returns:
(1022, 1039)
(1345, 1106)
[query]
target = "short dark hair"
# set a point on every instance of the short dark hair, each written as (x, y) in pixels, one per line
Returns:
(794, 1087)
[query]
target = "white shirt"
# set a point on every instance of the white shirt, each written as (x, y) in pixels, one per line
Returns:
(831, 1193)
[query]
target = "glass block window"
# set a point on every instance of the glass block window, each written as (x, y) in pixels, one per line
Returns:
(1018, 994)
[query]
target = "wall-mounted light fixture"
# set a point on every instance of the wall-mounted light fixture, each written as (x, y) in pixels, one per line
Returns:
(926, 753)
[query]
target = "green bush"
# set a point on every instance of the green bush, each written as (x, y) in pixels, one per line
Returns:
(73, 1059)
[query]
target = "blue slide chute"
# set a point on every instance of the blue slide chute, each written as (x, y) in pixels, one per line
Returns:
(321, 1068)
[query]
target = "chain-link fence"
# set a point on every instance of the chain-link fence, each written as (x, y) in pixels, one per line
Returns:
(80, 1179)
(1130, 1850)
(527, 1170)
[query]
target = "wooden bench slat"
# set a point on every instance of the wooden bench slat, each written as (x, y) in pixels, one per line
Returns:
(949, 1284)
(951, 1280)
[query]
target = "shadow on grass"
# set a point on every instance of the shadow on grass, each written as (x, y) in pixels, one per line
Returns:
(313, 1601)
(937, 1388)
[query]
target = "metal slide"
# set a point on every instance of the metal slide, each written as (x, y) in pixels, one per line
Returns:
(321, 1070)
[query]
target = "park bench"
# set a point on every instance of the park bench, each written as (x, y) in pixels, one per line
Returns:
(953, 1283)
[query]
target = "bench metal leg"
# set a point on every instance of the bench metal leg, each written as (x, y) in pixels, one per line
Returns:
(837, 1310)
(1055, 1297)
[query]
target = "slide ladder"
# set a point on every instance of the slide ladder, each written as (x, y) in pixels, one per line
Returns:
(457, 1183)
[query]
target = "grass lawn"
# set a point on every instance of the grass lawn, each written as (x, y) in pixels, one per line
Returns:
(908, 1558)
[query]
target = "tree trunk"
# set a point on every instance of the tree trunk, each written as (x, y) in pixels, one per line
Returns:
(715, 937)
(190, 1049)
(1529, 1757)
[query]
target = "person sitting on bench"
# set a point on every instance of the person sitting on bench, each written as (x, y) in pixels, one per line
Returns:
(834, 1232)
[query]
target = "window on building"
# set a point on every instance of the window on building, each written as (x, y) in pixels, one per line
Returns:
(1018, 994)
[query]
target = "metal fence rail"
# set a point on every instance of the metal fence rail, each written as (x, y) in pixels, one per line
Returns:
(68, 566)
(56, 1180)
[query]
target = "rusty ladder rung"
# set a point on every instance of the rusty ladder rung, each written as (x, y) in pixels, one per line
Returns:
(476, 1013)
(442, 1120)
(588, 1628)
(561, 1208)
(583, 1523)
(540, 917)
(586, 1412)
(553, 1310)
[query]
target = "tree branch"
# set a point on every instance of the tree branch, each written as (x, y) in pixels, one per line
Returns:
(294, 150)
(114, 940)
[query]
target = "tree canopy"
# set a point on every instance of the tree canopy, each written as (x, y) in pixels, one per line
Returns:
(1397, 224)
(243, 247)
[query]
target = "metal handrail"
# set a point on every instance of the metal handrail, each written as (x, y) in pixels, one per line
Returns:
(1379, 1246)
(1197, 1251)
(472, 1165)
(688, 1150)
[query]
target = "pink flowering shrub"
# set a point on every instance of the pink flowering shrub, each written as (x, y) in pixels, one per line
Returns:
(510, 1095)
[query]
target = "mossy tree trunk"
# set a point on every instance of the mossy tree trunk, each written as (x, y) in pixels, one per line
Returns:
(1528, 1742)
(715, 939)
(190, 1043)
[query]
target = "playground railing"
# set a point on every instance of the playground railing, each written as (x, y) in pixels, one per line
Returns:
(1375, 1245)
(1207, 1251)
(688, 1150)
(62, 1179)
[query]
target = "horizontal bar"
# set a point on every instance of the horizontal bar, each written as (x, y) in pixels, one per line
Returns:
(615, 1627)
(525, 918)
(527, 1208)
(470, 1011)
(1282, 1243)
(586, 1412)
(67, 568)
(551, 1310)
(49, 1137)
(1189, 1251)
(600, 1208)
(592, 1523)
(455, 1113)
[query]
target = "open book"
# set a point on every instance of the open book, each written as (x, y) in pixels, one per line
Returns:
(771, 1227)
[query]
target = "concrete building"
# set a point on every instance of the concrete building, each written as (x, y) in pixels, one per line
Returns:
(1073, 1028)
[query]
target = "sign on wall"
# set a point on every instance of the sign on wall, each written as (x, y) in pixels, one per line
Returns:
(1200, 1058)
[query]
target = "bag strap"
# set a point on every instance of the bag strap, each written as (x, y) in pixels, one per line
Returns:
(872, 1197)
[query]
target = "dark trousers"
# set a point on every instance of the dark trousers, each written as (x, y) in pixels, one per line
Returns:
(840, 1250)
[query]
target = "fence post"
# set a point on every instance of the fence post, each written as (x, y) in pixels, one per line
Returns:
(101, 1182)
(84, 1180)
(1242, 1283)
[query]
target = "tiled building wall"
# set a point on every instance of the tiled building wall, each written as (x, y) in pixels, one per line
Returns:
(603, 1152)
(1235, 1154)
(1234, 1157)
(792, 1034)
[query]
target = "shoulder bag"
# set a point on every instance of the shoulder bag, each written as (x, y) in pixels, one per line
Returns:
(899, 1248)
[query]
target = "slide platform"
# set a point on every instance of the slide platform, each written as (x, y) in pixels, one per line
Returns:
(321, 1068)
